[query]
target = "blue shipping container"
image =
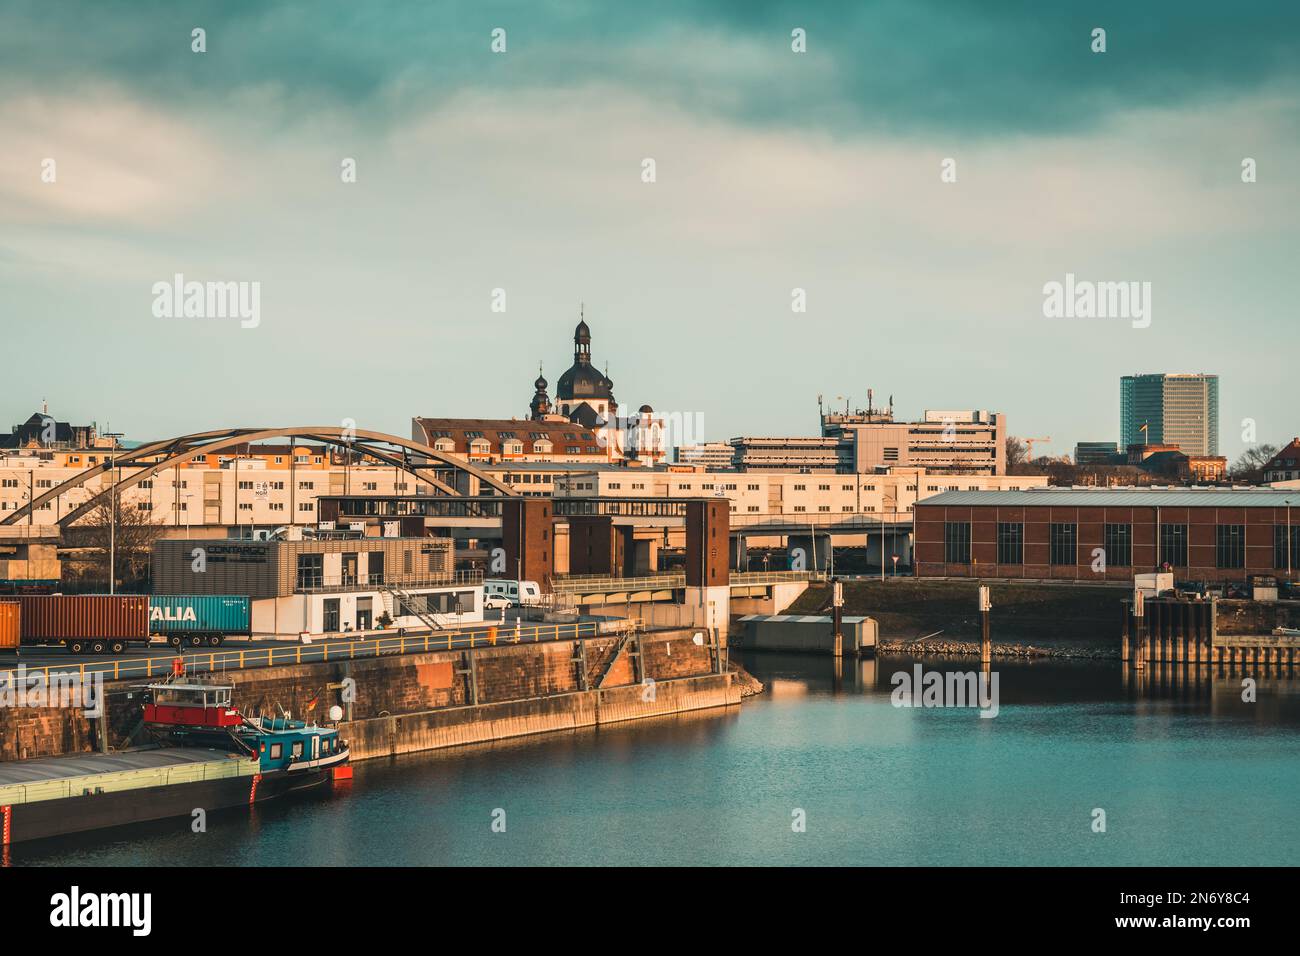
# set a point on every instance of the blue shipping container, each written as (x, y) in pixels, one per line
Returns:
(203, 613)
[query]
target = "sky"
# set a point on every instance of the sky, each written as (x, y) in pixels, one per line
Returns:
(523, 171)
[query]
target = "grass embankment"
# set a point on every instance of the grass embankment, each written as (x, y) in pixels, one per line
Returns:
(1054, 620)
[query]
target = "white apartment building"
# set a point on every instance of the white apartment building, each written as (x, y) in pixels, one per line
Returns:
(263, 490)
(889, 495)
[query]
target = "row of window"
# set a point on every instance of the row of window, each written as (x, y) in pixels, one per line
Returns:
(1063, 544)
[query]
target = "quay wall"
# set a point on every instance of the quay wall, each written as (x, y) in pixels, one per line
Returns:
(437, 698)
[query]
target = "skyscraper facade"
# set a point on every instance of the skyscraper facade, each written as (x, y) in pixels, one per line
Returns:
(1177, 409)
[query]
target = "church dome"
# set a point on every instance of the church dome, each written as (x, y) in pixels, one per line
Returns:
(583, 381)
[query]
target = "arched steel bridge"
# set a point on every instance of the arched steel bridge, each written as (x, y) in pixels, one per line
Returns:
(176, 451)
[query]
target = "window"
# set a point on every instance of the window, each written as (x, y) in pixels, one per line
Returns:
(1279, 546)
(1118, 545)
(1063, 544)
(330, 615)
(306, 506)
(277, 751)
(306, 485)
(891, 454)
(1011, 543)
(311, 569)
(296, 753)
(1230, 546)
(1173, 545)
(956, 542)
(245, 486)
(144, 506)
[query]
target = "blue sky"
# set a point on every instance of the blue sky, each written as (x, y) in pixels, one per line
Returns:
(522, 171)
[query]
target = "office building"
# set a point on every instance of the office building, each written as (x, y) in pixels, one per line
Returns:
(1171, 409)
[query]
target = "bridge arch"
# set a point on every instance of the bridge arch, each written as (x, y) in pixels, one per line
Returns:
(177, 451)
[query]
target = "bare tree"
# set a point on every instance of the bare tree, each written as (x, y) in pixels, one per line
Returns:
(130, 536)
(1250, 466)
(1017, 455)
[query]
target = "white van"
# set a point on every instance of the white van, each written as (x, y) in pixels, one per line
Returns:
(516, 592)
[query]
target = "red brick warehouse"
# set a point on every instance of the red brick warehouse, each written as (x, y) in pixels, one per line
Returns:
(1203, 534)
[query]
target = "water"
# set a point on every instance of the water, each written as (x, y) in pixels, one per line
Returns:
(1186, 772)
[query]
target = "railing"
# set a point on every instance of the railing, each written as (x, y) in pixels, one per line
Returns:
(485, 635)
(316, 584)
(857, 519)
(570, 585)
(776, 577)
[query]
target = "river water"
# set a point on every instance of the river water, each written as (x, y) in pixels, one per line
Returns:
(821, 769)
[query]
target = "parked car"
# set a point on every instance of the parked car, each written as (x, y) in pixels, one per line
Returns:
(496, 602)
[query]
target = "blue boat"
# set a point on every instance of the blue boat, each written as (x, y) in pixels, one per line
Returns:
(196, 714)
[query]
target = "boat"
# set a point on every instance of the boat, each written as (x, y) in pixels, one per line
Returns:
(206, 755)
(197, 714)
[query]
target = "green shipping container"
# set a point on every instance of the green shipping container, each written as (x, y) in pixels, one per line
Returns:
(199, 613)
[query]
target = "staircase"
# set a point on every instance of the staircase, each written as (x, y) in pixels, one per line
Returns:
(396, 599)
(619, 648)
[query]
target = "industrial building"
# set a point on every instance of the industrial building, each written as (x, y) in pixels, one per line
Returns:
(326, 585)
(1220, 534)
(1179, 409)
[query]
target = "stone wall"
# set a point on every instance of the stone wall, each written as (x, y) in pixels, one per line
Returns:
(392, 687)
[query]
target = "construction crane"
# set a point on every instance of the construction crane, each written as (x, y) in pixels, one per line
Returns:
(1029, 446)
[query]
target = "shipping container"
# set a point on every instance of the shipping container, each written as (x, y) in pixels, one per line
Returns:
(199, 618)
(10, 624)
(85, 622)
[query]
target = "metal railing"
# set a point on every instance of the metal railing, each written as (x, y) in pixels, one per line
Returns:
(842, 520)
(317, 584)
(776, 577)
(572, 584)
(323, 651)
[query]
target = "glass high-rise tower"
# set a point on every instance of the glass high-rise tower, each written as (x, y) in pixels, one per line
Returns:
(1178, 409)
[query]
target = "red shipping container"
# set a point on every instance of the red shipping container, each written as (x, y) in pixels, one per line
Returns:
(57, 617)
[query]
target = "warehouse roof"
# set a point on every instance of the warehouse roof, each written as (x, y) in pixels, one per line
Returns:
(1122, 497)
